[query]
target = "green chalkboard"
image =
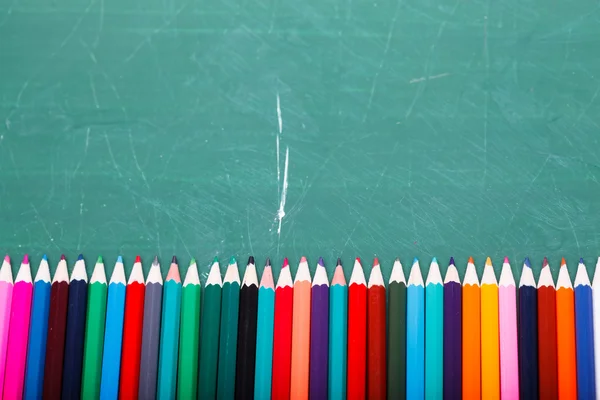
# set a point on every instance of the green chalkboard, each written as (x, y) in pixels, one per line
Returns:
(413, 128)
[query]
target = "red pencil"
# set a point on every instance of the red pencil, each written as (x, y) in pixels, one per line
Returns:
(132, 333)
(547, 350)
(282, 334)
(357, 333)
(376, 343)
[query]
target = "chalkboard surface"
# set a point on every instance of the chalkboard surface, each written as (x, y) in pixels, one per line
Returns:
(284, 128)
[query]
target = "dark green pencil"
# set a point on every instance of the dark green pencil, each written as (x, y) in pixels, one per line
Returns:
(397, 333)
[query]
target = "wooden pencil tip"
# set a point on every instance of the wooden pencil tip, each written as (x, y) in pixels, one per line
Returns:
(286, 263)
(545, 262)
(232, 260)
(563, 263)
(488, 262)
(174, 260)
(80, 257)
(506, 260)
(321, 262)
(62, 256)
(25, 259)
(251, 260)
(375, 262)
(339, 262)
(471, 261)
(358, 259)
(268, 262)
(581, 260)
(99, 260)
(155, 262)
(451, 261)
(138, 259)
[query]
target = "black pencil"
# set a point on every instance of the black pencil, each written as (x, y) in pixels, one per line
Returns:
(528, 334)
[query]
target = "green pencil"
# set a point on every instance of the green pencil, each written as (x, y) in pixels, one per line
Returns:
(94, 333)
(397, 333)
(228, 339)
(209, 334)
(187, 385)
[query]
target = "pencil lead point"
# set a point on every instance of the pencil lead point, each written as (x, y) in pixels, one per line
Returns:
(216, 259)
(192, 261)
(45, 258)
(434, 260)
(232, 260)
(155, 262)
(174, 260)
(451, 261)
(488, 262)
(99, 261)
(120, 259)
(581, 260)
(138, 259)
(527, 262)
(25, 259)
(321, 262)
(251, 260)
(359, 261)
(268, 262)
(303, 259)
(545, 262)
(563, 263)
(471, 261)
(80, 257)
(339, 262)
(286, 263)
(62, 256)
(506, 260)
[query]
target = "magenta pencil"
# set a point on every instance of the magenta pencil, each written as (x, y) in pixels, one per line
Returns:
(509, 358)
(19, 332)
(6, 289)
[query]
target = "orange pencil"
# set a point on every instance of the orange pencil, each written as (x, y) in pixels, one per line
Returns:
(565, 335)
(301, 333)
(471, 350)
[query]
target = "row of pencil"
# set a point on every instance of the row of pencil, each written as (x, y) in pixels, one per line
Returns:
(300, 338)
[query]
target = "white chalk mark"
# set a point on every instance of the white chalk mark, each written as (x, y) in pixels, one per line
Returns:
(279, 119)
(93, 87)
(281, 212)
(429, 78)
(278, 169)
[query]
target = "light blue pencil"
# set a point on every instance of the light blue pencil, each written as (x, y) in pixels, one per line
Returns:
(38, 332)
(169, 335)
(415, 334)
(264, 334)
(434, 329)
(338, 339)
(113, 334)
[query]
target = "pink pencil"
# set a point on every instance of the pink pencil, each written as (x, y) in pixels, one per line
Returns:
(19, 332)
(6, 289)
(507, 313)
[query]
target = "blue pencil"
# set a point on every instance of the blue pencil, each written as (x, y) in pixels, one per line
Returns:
(113, 334)
(75, 334)
(584, 328)
(38, 332)
(415, 334)
(434, 329)
(338, 334)
(264, 334)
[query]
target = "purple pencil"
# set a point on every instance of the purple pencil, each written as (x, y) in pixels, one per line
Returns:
(319, 334)
(452, 333)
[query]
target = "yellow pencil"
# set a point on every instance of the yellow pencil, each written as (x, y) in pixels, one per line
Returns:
(490, 334)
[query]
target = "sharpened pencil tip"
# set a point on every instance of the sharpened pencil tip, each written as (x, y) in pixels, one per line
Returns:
(563, 263)
(375, 262)
(286, 263)
(488, 262)
(415, 260)
(174, 260)
(7, 258)
(192, 261)
(339, 261)
(451, 261)
(251, 260)
(120, 260)
(62, 256)
(216, 259)
(45, 257)
(138, 259)
(506, 260)
(155, 261)
(434, 260)
(527, 262)
(545, 262)
(321, 262)
(358, 259)
(232, 260)
(581, 260)
(25, 259)
(471, 261)
(80, 257)
(99, 261)
(268, 262)
(303, 259)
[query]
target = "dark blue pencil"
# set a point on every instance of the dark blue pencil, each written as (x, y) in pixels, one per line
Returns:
(528, 334)
(74, 338)
(584, 330)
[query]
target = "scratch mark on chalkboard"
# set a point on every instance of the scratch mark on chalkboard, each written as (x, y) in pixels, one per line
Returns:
(281, 211)
(93, 87)
(587, 107)
(487, 93)
(135, 159)
(75, 26)
(248, 229)
(100, 24)
(429, 78)
(87, 140)
(112, 156)
(572, 230)
(41, 221)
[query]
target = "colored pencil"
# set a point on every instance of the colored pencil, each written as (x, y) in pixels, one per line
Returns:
(319, 333)
(113, 334)
(6, 291)
(548, 368)
(169, 334)
(19, 332)
(246, 341)
(471, 329)
(228, 336)
(376, 335)
(357, 333)
(264, 334)
(151, 333)
(282, 336)
(75, 333)
(507, 314)
(396, 380)
(415, 334)
(209, 334)
(187, 383)
(338, 331)
(132, 332)
(584, 317)
(94, 333)
(38, 332)
(301, 333)
(57, 324)
(434, 330)
(490, 334)
(527, 326)
(565, 335)
(596, 310)
(452, 333)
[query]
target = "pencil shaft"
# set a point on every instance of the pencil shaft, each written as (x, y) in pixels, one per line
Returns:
(509, 360)
(338, 331)
(282, 342)
(396, 381)
(6, 290)
(228, 341)
(169, 341)
(264, 343)
(17, 340)
(113, 341)
(38, 333)
(434, 341)
(300, 341)
(94, 341)
(548, 368)
(596, 312)
(565, 339)
(415, 342)
(150, 341)
(471, 348)
(187, 386)
(319, 341)
(586, 387)
(528, 336)
(209, 343)
(55, 344)
(452, 340)
(132, 340)
(246, 343)
(376, 342)
(357, 342)
(74, 340)
(490, 350)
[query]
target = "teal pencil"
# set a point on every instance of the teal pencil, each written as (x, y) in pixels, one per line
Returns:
(264, 334)
(338, 325)
(434, 329)
(169, 334)
(228, 336)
